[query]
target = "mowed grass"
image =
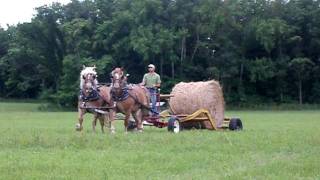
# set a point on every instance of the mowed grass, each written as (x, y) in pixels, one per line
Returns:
(45, 145)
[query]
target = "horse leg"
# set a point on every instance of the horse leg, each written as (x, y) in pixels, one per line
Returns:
(138, 118)
(81, 112)
(110, 119)
(101, 120)
(126, 122)
(94, 122)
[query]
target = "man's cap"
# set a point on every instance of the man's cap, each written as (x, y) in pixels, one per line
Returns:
(151, 66)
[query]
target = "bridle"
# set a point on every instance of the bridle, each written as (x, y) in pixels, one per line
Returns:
(119, 90)
(88, 82)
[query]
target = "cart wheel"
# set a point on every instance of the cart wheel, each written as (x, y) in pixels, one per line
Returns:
(174, 125)
(132, 125)
(235, 124)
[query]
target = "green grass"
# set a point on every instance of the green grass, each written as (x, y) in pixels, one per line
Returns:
(18, 107)
(44, 145)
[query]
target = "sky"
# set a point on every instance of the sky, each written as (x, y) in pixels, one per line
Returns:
(13, 12)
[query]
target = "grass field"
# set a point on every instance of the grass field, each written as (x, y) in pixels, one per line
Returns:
(44, 145)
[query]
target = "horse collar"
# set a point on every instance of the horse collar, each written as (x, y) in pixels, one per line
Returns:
(93, 96)
(124, 95)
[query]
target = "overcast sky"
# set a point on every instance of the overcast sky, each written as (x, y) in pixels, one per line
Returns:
(14, 11)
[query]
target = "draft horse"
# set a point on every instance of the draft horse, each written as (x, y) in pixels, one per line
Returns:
(94, 99)
(130, 100)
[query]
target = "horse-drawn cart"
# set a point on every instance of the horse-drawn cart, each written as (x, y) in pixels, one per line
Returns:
(200, 119)
(198, 105)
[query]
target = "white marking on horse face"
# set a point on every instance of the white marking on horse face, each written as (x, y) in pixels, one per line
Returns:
(116, 83)
(88, 86)
(90, 76)
(117, 76)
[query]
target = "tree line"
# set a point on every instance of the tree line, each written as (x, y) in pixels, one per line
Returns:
(261, 51)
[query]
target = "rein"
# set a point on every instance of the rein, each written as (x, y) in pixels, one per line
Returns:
(144, 106)
(126, 94)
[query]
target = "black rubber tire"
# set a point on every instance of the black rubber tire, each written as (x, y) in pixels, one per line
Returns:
(132, 125)
(171, 125)
(235, 124)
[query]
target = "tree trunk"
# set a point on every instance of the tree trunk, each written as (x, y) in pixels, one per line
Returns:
(240, 85)
(182, 55)
(161, 66)
(241, 75)
(172, 69)
(195, 48)
(300, 91)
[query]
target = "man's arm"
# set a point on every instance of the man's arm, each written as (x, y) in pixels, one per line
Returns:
(158, 84)
(143, 80)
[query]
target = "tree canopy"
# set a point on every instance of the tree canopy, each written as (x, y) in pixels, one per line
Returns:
(261, 51)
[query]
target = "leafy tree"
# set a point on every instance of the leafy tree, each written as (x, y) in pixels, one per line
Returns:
(301, 67)
(4, 45)
(50, 42)
(250, 46)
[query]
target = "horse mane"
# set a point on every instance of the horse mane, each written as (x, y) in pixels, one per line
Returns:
(84, 72)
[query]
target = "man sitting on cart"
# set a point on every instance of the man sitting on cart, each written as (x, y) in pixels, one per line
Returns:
(152, 81)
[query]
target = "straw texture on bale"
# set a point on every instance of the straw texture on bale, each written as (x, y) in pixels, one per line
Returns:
(190, 97)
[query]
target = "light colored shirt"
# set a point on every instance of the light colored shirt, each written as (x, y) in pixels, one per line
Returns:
(151, 79)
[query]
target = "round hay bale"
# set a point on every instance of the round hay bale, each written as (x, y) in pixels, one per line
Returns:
(190, 97)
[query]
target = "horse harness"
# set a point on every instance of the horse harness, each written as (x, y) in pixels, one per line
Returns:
(126, 94)
(93, 96)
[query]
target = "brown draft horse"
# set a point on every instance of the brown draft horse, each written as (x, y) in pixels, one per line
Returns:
(130, 100)
(101, 99)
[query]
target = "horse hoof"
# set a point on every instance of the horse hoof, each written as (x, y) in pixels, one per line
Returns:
(78, 127)
(140, 131)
